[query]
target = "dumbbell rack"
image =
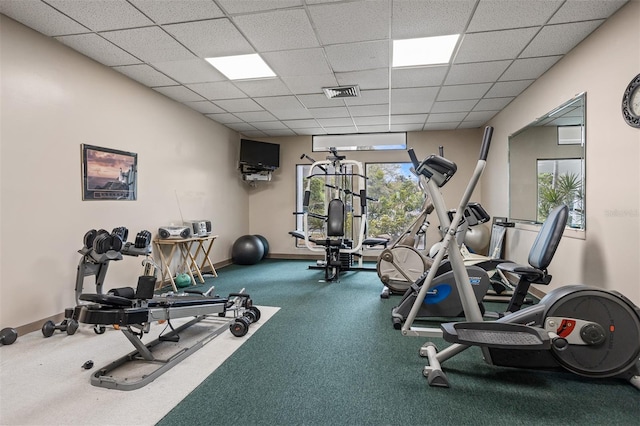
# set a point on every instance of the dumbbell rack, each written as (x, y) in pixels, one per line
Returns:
(99, 249)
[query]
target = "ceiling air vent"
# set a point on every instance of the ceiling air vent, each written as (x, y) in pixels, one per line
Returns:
(342, 92)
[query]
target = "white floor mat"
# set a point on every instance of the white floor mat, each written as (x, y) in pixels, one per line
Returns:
(42, 381)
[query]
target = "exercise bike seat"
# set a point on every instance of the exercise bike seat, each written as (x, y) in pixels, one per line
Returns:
(529, 273)
(540, 256)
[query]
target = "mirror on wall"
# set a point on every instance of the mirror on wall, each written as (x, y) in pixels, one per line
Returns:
(547, 165)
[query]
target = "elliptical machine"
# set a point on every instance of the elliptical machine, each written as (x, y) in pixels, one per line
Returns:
(588, 331)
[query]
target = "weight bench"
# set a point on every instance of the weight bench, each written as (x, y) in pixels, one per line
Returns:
(132, 312)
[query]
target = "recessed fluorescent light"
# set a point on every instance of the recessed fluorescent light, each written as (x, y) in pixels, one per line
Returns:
(423, 51)
(242, 66)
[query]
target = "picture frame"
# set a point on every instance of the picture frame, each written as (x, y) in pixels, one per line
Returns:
(108, 174)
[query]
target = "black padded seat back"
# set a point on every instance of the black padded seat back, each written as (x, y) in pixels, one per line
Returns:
(335, 218)
(546, 243)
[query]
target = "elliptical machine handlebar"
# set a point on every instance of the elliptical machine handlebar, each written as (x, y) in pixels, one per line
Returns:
(486, 143)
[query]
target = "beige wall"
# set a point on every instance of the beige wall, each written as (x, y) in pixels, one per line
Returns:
(54, 100)
(272, 204)
(608, 253)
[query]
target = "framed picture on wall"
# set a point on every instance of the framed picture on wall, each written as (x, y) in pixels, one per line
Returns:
(108, 174)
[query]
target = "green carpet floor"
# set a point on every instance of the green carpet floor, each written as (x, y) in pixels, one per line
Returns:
(330, 356)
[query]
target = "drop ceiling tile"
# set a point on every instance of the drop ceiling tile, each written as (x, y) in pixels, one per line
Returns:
(529, 68)
(150, 44)
(179, 93)
(482, 116)
(505, 89)
(41, 17)
(418, 77)
(311, 131)
(453, 106)
(423, 18)
(279, 133)
(217, 90)
(369, 110)
(278, 30)
(205, 107)
(425, 94)
(441, 126)
(238, 105)
(481, 72)
(268, 125)
(284, 107)
(299, 62)
(335, 122)
(559, 39)
(408, 118)
(167, 12)
(369, 97)
(310, 84)
(491, 15)
(279, 102)
(255, 116)
(351, 22)
(493, 104)
(382, 128)
(494, 45)
(358, 56)
(341, 130)
(240, 127)
(95, 47)
(224, 118)
(194, 70)
(472, 124)
(335, 112)
(585, 10)
(446, 117)
(102, 15)
(235, 7)
(301, 124)
(368, 79)
(146, 75)
(320, 101)
(254, 134)
(408, 127)
(263, 87)
(379, 120)
(200, 37)
(463, 91)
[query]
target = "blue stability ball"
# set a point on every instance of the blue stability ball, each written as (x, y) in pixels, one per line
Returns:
(265, 244)
(247, 250)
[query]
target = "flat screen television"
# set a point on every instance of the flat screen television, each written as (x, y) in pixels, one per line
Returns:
(261, 155)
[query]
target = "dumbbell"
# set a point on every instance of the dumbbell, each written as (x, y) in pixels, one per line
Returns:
(240, 326)
(105, 242)
(8, 336)
(122, 232)
(143, 239)
(69, 325)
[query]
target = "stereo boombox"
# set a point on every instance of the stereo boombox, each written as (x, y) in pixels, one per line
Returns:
(199, 228)
(174, 232)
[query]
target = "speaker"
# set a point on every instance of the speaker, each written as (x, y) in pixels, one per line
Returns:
(174, 232)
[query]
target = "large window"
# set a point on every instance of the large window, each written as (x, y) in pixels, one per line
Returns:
(399, 198)
(561, 182)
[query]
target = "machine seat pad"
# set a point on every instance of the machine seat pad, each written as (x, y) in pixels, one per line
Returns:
(298, 234)
(530, 273)
(375, 242)
(189, 300)
(107, 299)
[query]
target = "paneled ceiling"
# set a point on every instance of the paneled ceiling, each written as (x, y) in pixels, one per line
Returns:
(311, 44)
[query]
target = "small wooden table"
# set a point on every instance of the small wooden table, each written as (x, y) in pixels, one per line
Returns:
(188, 259)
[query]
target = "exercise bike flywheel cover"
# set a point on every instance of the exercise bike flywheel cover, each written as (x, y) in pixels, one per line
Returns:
(620, 348)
